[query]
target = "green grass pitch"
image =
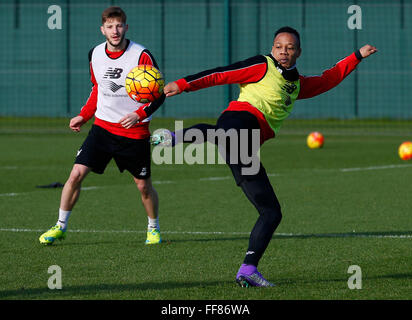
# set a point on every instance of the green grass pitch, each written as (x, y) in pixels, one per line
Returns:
(346, 204)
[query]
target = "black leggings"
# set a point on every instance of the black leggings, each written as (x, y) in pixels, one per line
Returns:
(256, 187)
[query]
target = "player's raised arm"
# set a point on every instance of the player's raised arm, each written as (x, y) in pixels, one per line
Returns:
(311, 86)
(250, 70)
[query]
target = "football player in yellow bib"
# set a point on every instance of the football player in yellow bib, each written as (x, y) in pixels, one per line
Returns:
(269, 86)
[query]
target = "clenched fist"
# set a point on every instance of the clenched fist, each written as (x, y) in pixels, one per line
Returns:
(367, 50)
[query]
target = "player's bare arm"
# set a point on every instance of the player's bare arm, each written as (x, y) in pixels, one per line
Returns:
(76, 123)
(367, 50)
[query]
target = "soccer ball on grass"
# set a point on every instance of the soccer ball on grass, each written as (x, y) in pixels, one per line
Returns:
(405, 150)
(315, 140)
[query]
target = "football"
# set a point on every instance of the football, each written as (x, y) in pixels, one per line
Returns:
(144, 83)
(405, 150)
(315, 140)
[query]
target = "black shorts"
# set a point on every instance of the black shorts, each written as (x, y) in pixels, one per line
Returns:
(239, 120)
(101, 146)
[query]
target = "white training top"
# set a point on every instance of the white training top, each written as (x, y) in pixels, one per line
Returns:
(113, 102)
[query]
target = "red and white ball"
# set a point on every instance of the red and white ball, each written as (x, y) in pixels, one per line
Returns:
(315, 140)
(405, 150)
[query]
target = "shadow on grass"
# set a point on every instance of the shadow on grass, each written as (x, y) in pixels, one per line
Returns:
(63, 244)
(94, 291)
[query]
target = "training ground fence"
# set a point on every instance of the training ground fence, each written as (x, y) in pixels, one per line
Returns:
(45, 72)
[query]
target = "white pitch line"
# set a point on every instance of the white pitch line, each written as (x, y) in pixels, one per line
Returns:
(215, 178)
(231, 177)
(11, 194)
(90, 188)
(391, 166)
(163, 182)
(285, 235)
(14, 194)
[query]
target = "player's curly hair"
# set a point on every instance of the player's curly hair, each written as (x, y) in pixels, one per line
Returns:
(288, 30)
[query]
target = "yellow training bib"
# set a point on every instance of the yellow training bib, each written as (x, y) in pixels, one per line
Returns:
(273, 95)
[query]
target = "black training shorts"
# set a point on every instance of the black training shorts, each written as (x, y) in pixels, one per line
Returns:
(101, 146)
(241, 120)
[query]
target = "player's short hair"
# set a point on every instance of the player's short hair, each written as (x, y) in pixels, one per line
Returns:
(113, 12)
(288, 30)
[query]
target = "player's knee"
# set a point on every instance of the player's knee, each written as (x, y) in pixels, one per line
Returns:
(267, 200)
(76, 176)
(272, 216)
(271, 209)
(144, 188)
(278, 216)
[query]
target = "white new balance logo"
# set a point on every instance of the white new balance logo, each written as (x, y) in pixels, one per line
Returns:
(143, 172)
(78, 152)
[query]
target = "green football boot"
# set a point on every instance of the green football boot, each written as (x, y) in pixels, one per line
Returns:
(52, 234)
(153, 237)
(163, 137)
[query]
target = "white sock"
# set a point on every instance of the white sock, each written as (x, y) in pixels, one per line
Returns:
(153, 223)
(63, 218)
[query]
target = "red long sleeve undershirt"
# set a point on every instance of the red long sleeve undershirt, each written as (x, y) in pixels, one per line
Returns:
(253, 70)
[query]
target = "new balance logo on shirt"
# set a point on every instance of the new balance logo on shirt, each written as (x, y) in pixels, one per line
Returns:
(113, 73)
(111, 85)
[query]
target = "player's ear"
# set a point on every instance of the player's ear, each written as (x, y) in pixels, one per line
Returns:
(102, 30)
(126, 27)
(299, 52)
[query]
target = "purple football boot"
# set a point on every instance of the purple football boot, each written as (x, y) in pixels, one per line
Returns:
(248, 276)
